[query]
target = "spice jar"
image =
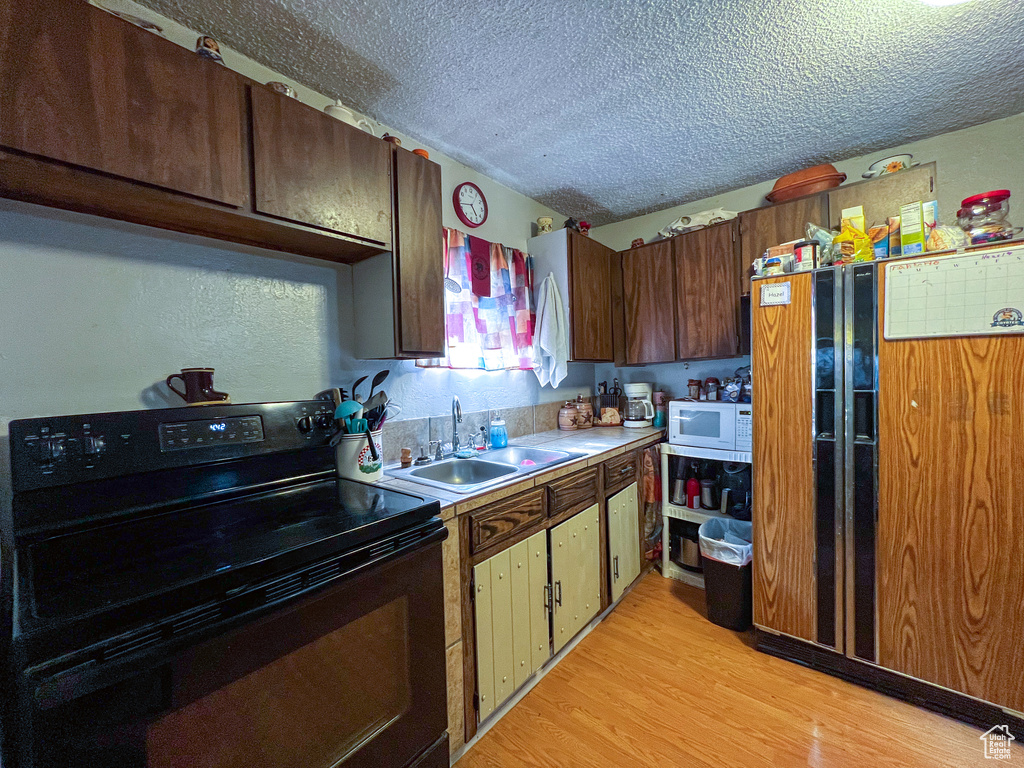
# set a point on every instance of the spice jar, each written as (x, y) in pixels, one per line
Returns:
(711, 385)
(568, 416)
(693, 389)
(983, 217)
(586, 413)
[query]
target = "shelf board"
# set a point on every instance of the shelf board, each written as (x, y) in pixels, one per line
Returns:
(690, 515)
(672, 571)
(742, 457)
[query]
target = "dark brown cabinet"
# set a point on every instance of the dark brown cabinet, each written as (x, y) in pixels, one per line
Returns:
(398, 297)
(313, 169)
(590, 291)
(762, 228)
(882, 197)
(583, 271)
(648, 289)
(707, 292)
(419, 251)
(85, 88)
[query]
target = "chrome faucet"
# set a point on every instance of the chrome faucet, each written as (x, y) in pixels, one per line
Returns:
(456, 420)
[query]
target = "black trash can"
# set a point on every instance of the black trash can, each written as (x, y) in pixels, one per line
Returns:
(727, 586)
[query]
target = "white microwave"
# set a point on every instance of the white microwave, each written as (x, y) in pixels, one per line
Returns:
(710, 424)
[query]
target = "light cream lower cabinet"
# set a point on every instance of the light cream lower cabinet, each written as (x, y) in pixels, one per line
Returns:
(575, 574)
(512, 636)
(623, 539)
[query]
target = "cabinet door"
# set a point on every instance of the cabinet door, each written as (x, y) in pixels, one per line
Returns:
(522, 654)
(762, 228)
(784, 513)
(590, 299)
(313, 169)
(623, 540)
(86, 88)
(707, 292)
(882, 197)
(419, 254)
(540, 601)
(575, 574)
(648, 303)
(501, 625)
(484, 638)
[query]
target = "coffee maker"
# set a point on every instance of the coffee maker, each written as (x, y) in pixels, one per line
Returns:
(639, 410)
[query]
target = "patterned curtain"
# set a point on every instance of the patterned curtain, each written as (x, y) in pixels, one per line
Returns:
(491, 328)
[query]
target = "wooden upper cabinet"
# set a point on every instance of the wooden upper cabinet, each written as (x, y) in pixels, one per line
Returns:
(649, 304)
(85, 88)
(762, 228)
(882, 197)
(590, 300)
(707, 292)
(316, 170)
(419, 256)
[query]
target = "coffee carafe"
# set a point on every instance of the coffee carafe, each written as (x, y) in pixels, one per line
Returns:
(639, 411)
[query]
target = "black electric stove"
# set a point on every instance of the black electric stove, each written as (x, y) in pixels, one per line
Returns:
(137, 537)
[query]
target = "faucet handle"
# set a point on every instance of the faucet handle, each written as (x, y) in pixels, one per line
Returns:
(436, 451)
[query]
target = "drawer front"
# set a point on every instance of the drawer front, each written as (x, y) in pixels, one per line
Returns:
(573, 493)
(620, 472)
(502, 520)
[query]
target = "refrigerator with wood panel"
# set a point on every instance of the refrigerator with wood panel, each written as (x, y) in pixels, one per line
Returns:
(889, 472)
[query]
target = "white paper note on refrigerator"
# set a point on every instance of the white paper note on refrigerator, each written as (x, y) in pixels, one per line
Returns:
(972, 294)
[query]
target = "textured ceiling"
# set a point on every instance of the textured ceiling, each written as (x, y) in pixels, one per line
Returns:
(605, 109)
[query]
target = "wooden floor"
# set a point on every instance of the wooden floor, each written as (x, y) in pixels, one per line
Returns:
(656, 684)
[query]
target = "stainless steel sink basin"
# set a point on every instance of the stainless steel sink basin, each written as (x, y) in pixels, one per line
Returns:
(463, 471)
(537, 457)
(492, 468)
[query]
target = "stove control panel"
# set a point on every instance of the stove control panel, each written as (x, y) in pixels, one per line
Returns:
(62, 450)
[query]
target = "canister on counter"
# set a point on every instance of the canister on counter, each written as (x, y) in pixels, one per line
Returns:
(711, 386)
(805, 255)
(693, 389)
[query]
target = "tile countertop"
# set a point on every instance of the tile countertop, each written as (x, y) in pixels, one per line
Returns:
(599, 444)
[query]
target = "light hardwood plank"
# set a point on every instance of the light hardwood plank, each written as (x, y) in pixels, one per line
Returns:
(656, 684)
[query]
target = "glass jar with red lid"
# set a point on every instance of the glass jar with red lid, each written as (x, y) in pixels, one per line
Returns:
(983, 217)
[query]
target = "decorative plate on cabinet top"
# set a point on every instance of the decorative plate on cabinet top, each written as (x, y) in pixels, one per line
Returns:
(818, 178)
(889, 165)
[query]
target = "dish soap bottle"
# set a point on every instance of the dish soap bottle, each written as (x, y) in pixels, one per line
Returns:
(499, 435)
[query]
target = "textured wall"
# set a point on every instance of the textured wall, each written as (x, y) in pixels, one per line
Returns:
(973, 160)
(96, 314)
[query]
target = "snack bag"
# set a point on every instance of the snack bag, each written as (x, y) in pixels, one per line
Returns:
(854, 244)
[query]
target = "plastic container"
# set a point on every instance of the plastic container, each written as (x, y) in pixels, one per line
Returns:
(983, 217)
(499, 435)
(353, 461)
(726, 554)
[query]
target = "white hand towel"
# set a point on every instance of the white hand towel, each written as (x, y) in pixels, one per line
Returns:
(551, 336)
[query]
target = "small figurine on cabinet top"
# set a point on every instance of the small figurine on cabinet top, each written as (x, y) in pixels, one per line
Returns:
(584, 229)
(209, 48)
(572, 224)
(544, 225)
(637, 243)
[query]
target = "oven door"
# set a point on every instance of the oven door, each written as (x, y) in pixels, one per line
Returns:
(352, 675)
(703, 425)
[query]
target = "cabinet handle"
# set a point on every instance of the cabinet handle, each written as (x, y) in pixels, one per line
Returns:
(624, 470)
(547, 598)
(558, 593)
(615, 560)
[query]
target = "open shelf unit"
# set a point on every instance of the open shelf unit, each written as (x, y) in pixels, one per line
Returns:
(669, 510)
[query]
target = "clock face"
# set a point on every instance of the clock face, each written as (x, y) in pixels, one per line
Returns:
(470, 204)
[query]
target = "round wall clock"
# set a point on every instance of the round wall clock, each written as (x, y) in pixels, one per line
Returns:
(470, 204)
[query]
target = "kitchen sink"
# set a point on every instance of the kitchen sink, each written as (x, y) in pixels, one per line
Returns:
(493, 467)
(516, 456)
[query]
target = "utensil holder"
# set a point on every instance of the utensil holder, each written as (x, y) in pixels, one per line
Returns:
(353, 460)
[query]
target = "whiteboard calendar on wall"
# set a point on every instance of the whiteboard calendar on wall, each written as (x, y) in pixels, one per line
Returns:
(960, 295)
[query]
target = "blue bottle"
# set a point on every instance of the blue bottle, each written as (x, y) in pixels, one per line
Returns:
(499, 435)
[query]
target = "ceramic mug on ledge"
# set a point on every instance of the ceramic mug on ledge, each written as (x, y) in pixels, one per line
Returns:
(198, 387)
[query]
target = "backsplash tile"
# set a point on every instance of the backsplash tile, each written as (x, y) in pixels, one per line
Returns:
(546, 415)
(518, 421)
(410, 433)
